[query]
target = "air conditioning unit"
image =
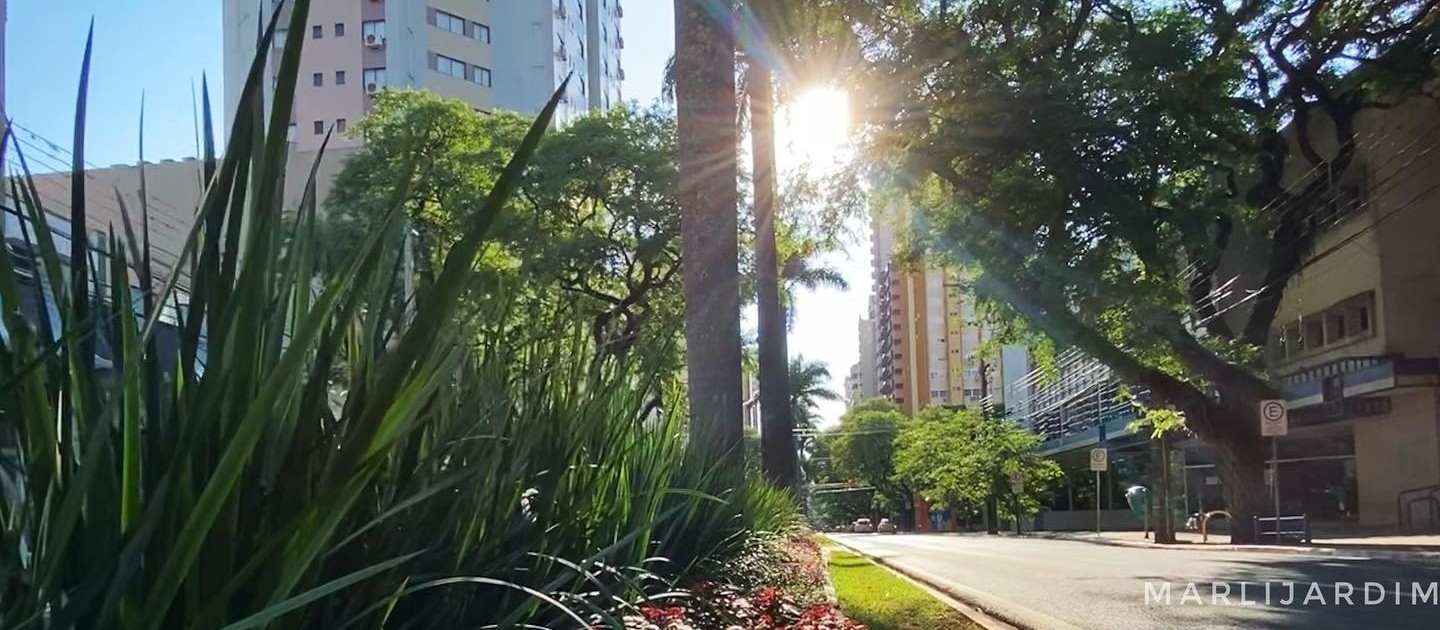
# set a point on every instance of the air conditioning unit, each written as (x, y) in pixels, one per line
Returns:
(374, 41)
(371, 88)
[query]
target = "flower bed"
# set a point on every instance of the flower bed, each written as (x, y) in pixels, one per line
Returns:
(788, 593)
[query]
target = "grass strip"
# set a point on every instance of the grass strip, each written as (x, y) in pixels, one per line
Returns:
(882, 600)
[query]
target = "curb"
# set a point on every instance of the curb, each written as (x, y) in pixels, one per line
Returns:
(983, 609)
(1426, 557)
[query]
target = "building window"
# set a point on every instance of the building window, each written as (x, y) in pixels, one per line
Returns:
(317, 31)
(452, 67)
(319, 127)
(290, 132)
(375, 28)
(339, 29)
(317, 79)
(340, 125)
(339, 77)
(280, 36)
(482, 32)
(373, 76)
(481, 75)
(1348, 319)
(450, 22)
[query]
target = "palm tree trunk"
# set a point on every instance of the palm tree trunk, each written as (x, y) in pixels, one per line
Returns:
(777, 435)
(706, 148)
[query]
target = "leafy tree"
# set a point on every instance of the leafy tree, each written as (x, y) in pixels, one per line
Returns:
(962, 459)
(862, 449)
(1092, 161)
(592, 233)
(1163, 425)
(809, 384)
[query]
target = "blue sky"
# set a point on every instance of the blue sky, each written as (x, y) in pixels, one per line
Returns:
(161, 48)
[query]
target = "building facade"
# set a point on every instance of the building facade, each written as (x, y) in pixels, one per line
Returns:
(493, 55)
(1354, 349)
(543, 42)
(930, 346)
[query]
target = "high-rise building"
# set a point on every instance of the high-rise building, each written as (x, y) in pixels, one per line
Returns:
(509, 54)
(544, 41)
(930, 345)
(506, 55)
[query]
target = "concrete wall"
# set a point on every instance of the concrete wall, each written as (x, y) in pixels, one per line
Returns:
(1406, 209)
(1397, 451)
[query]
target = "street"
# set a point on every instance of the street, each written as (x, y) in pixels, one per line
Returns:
(1062, 585)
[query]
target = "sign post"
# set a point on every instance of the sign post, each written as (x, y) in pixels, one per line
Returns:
(1274, 422)
(1099, 462)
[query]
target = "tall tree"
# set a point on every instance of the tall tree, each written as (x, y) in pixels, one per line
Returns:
(963, 459)
(780, 460)
(862, 449)
(593, 233)
(709, 204)
(809, 384)
(1094, 159)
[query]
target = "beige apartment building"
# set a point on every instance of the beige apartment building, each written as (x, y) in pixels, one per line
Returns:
(1357, 336)
(930, 346)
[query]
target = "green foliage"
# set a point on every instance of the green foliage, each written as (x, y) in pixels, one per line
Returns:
(862, 449)
(809, 384)
(882, 600)
(959, 458)
(304, 450)
(1159, 422)
(592, 234)
(1094, 162)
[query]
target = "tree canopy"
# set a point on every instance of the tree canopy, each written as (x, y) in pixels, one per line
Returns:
(862, 449)
(593, 231)
(957, 459)
(1092, 161)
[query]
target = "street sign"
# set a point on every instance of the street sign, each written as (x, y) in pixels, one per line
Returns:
(1099, 459)
(1274, 418)
(1017, 482)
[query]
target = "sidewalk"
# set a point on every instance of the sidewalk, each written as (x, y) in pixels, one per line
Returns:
(1418, 548)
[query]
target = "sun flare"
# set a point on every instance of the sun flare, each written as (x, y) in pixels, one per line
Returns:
(815, 127)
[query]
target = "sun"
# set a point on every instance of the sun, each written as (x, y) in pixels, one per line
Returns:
(814, 128)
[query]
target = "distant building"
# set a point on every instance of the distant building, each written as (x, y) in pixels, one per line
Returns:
(930, 345)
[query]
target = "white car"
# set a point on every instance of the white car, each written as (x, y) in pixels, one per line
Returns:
(885, 526)
(862, 526)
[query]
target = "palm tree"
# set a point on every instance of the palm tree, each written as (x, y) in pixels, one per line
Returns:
(809, 384)
(781, 38)
(781, 463)
(704, 71)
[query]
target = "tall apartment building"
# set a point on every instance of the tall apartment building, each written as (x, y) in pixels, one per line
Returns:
(929, 345)
(509, 55)
(545, 41)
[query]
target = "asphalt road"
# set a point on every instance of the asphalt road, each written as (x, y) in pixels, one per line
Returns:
(1063, 585)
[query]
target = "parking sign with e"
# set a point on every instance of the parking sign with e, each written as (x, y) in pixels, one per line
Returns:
(1274, 418)
(1099, 459)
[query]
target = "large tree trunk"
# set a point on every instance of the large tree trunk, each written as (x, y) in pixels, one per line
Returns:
(1242, 467)
(777, 441)
(706, 147)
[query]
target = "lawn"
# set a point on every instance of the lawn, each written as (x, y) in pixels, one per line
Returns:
(872, 595)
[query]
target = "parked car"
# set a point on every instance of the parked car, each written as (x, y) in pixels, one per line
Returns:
(885, 526)
(862, 526)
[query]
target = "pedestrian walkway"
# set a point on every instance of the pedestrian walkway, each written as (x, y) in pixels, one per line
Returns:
(1421, 547)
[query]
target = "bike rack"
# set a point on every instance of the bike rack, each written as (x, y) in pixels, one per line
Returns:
(1407, 498)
